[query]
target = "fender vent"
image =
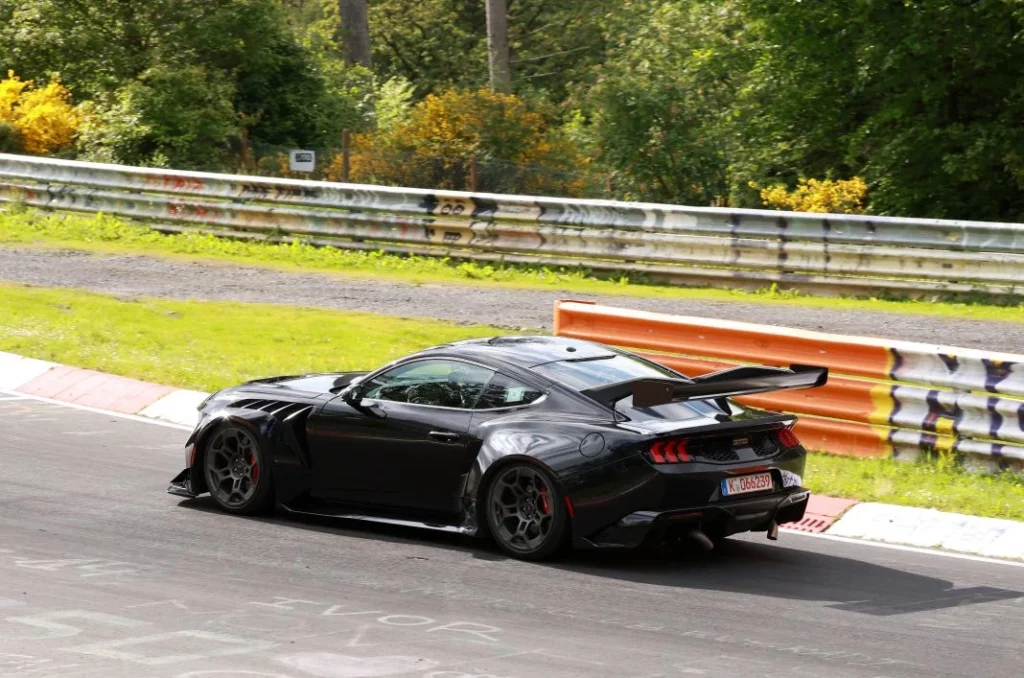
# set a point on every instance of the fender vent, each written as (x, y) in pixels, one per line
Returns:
(294, 415)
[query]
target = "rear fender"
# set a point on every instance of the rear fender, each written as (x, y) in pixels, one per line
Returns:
(479, 479)
(290, 460)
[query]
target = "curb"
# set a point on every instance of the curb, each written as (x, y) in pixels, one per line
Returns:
(98, 390)
(888, 523)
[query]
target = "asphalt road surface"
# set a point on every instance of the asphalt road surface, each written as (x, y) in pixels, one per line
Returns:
(103, 574)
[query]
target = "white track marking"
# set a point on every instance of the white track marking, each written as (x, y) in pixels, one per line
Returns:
(96, 410)
(900, 547)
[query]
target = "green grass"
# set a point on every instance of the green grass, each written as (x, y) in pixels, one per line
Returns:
(209, 345)
(923, 483)
(205, 346)
(112, 235)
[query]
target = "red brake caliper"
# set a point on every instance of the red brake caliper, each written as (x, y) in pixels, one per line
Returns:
(545, 501)
(255, 469)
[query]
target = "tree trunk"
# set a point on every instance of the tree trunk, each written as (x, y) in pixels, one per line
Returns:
(355, 32)
(497, 45)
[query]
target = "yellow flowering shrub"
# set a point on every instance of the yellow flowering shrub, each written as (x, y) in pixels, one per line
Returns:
(835, 196)
(44, 116)
(10, 94)
(512, 145)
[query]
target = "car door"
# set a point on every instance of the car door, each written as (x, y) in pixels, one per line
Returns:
(404, 443)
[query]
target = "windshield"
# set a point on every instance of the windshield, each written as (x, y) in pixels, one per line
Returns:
(613, 368)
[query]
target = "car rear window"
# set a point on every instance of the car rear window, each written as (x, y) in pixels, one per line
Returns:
(593, 372)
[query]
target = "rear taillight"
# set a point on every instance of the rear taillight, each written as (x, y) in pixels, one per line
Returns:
(669, 452)
(788, 438)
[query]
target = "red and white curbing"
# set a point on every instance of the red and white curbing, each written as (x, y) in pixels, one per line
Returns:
(903, 525)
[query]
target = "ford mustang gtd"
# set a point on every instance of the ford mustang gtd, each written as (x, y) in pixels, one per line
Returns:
(538, 442)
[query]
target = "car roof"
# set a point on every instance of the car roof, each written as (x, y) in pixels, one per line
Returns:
(524, 351)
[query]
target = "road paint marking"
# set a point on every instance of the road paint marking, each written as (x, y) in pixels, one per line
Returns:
(7, 398)
(55, 629)
(283, 603)
(909, 549)
(230, 645)
(330, 665)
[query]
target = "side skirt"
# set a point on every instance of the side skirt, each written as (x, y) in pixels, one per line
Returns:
(345, 515)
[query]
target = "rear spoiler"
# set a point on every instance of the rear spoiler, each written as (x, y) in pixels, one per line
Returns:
(735, 381)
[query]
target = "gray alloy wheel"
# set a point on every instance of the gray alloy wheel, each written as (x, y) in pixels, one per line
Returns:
(235, 473)
(525, 513)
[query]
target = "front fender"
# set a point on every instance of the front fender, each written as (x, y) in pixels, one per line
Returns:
(290, 459)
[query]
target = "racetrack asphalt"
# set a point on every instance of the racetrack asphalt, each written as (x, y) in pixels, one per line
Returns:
(132, 276)
(103, 574)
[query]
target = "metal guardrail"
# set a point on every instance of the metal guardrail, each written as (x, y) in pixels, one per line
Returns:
(728, 247)
(883, 398)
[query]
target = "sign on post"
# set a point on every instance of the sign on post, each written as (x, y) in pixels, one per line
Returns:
(301, 161)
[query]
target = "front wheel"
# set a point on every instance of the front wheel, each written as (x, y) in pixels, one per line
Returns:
(525, 512)
(237, 471)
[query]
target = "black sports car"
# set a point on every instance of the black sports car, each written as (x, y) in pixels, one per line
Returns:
(535, 441)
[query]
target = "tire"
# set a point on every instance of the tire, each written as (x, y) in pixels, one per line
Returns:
(237, 471)
(526, 514)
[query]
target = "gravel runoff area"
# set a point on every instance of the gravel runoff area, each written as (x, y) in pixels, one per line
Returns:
(130, 276)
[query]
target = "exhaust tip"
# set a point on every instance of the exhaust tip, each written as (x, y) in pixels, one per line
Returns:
(773, 531)
(702, 539)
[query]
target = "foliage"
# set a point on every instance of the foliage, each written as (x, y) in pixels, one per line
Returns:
(126, 55)
(446, 133)
(180, 117)
(685, 101)
(659, 103)
(11, 140)
(835, 196)
(37, 120)
(923, 99)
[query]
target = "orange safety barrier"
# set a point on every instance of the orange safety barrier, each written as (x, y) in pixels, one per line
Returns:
(719, 339)
(877, 401)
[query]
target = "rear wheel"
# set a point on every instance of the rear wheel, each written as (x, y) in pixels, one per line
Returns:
(525, 512)
(237, 471)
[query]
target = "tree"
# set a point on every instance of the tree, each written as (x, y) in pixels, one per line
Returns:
(355, 28)
(497, 46)
(661, 104)
(120, 53)
(925, 99)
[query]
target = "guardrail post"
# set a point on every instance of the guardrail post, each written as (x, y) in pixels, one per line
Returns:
(346, 150)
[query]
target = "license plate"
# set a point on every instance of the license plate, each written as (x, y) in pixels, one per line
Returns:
(757, 482)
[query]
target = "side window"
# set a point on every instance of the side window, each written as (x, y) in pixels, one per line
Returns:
(441, 383)
(505, 392)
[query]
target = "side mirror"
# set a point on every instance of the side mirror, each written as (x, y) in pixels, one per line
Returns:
(352, 395)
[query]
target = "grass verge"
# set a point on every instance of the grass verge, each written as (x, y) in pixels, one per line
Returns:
(205, 345)
(922, 483)
(112, 235)
(209, 345)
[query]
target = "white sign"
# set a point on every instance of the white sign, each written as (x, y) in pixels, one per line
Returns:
(301, 161)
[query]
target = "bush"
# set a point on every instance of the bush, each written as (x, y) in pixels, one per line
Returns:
(38, 120)
(511, 142)
(171, 116)
(835, 196)
(11, 140)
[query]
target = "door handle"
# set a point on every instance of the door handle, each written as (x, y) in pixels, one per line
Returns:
(444, 436)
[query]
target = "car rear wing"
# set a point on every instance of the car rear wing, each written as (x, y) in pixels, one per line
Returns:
(736, 381)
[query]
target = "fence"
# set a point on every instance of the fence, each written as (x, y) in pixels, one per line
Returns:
(883, 398)
(707, 246)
